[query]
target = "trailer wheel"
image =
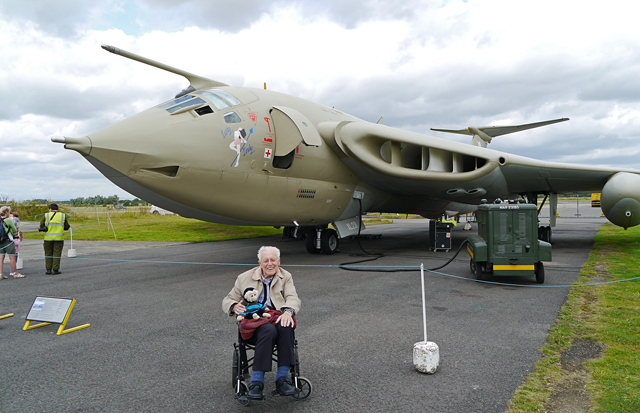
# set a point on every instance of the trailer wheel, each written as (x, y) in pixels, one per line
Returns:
(477, 269)
(540, 273)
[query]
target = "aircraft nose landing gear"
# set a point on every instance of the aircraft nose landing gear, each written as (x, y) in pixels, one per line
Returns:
(322, 239)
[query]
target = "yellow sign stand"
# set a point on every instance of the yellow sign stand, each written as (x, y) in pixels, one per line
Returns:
(50, 310)
(6, 316)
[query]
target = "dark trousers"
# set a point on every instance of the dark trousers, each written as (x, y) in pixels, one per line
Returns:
(264, 338)
(52, 254)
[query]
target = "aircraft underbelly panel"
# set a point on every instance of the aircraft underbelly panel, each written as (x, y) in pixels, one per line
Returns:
(160, 199)
(265, 198)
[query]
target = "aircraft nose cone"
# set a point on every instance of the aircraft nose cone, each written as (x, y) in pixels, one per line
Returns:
(119, 144)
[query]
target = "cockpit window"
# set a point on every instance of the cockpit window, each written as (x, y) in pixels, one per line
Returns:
(232, 117)
(220, 99)
(192, 102)
(228, 96)
(181, 103)
(174, 102)
(215, 99)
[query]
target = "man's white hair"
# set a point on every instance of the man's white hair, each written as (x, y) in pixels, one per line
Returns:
(267, 248)
(6, 209)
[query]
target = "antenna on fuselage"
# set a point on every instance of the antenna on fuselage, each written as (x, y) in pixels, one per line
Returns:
(196, 82)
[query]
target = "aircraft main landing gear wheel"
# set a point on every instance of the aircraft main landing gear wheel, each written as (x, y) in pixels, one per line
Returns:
(540, 273)
(304, 387)
(310, 243)
(329, 242)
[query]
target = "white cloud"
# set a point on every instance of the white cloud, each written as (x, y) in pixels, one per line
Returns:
(420, 64)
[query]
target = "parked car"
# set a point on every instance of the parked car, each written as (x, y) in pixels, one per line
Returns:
(120, 207)
(160, 211)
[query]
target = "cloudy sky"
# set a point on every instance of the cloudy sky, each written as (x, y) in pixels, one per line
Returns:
(418, 63)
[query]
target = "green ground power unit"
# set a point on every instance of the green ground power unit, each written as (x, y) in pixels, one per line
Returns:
(507, 242)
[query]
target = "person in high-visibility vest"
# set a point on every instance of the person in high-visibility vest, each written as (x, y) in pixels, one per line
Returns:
(56, 223)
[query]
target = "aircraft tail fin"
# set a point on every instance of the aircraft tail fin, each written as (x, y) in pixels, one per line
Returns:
(196, 82)
(482, 135)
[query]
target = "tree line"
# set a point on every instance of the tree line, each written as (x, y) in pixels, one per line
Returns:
(105, 200)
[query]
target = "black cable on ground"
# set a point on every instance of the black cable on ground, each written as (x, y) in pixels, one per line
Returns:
(375, 256)
(344, 265)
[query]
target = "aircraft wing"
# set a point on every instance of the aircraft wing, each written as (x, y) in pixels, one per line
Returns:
(408, 163)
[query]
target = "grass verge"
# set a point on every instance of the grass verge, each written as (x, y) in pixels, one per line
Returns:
(146, 227)
(607, 316)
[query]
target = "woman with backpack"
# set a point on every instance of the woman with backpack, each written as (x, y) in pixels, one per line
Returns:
(7, 231)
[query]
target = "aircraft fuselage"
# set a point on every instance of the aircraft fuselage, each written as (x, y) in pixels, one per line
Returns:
(248, 156)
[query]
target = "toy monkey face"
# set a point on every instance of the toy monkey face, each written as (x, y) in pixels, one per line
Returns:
(251, 295)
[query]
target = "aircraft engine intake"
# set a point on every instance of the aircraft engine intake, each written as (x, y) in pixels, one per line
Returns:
(620, 199)
(411, 156)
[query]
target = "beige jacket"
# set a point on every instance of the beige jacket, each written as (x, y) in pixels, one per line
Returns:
(283, 292)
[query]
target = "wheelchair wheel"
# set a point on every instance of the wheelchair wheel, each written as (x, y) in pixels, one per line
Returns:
(235, 367)
(304, 386)
(242, 395)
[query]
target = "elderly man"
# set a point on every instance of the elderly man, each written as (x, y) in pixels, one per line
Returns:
(277, 292)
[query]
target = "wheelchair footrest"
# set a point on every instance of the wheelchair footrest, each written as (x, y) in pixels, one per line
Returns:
(275, 393)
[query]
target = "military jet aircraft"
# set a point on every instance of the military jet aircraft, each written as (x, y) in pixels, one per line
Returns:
(251, 156)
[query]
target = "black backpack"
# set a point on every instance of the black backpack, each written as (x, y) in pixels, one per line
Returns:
(4, 234)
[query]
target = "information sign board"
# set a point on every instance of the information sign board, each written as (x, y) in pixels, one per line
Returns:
(49, 309)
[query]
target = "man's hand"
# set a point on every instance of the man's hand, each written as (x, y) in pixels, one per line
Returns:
(239, 308)
(286, 319)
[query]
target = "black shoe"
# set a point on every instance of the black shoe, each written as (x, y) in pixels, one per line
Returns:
(285, 387)
(56, 272)
(48, 272)
(255, 390)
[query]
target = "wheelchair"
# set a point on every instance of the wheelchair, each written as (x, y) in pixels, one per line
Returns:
(242, 363)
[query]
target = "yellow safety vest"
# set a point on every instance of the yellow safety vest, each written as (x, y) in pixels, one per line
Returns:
(55, 226)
